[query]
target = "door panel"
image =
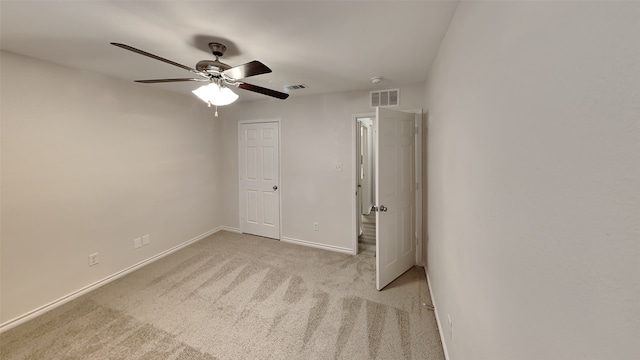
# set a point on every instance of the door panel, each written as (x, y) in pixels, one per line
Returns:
(258, 150)
(252, 206)
(268, 160)
(268, 203)
(395, 193)
(251, 169)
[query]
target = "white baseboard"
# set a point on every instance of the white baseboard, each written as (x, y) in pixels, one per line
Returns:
(227, 228)
(65, 299)
(317, 245)
(435, 311)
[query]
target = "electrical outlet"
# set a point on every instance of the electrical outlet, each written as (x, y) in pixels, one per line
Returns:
(316, 227)
(93, 259)
(137, 243)
(146, 239)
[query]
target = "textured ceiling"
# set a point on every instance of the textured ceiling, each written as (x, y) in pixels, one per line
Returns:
(327, 45)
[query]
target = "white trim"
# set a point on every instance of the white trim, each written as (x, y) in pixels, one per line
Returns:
(257, 121)
(317, 245)
(435, 311)
(418, 179)
(227, 228)
(67, 298)
(280, 182)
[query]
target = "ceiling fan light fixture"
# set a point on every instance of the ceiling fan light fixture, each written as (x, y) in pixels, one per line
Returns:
(216, 95)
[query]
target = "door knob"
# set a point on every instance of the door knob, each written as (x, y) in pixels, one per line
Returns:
(383, 208)
(275, 187)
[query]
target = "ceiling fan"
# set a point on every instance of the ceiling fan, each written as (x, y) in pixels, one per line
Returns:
(215, 71)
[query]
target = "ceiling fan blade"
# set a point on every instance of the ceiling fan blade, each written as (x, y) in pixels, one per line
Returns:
(153, 81)
(264, 91)
(252, 68)
(130, 48)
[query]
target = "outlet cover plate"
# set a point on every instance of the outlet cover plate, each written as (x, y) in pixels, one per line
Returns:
(93, 259)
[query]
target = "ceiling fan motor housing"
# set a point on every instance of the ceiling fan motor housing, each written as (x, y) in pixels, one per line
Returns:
(212, 66)
(217, 49)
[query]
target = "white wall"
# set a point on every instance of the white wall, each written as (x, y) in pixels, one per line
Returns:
(317, 133)
(534, 181)
(88, 164)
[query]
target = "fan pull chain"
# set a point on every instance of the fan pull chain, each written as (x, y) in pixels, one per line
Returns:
(216, 113)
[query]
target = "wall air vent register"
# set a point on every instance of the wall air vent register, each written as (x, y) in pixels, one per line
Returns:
(385, 98)
(295, 87)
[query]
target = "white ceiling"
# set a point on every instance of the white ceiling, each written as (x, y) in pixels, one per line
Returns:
(327, 45)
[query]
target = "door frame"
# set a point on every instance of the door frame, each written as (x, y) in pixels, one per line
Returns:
(418, 175)
(280, 181)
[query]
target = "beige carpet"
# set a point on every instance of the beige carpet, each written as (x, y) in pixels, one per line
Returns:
(233, 296)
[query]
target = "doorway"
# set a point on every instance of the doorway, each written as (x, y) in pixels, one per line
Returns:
(365, 170)
(387, 162)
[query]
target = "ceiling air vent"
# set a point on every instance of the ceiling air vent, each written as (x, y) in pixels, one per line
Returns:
(295, 87)
(385, 98)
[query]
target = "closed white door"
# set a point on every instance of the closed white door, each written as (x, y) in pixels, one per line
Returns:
(395, 194)
(258, 151)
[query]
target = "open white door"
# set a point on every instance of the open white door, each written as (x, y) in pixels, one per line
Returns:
(258, 151)
(394, 133)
